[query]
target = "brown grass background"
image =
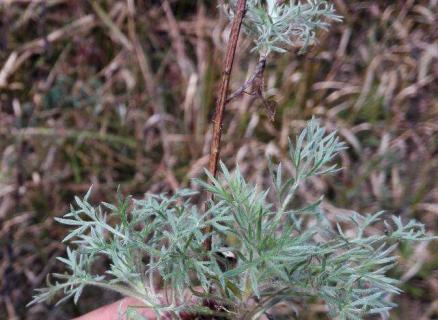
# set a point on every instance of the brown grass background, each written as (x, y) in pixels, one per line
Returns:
(121, 93)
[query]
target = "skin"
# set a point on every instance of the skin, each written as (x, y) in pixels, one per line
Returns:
(111, 311)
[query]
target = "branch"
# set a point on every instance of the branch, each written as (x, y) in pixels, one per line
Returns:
(257, 76)
(256, 83)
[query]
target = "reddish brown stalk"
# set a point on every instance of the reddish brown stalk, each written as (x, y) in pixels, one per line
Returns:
(222, 100)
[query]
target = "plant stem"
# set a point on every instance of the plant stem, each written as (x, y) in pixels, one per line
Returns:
(257, 76)
(222, 100)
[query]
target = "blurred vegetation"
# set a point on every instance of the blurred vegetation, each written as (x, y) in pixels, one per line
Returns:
(121, 93)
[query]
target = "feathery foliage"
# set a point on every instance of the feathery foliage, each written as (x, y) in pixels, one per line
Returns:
(265, 249)
(276, 25)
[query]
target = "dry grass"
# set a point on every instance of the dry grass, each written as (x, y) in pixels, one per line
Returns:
(120, 93)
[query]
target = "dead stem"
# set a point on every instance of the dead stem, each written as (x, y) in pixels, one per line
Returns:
(222, 100)
(254, 82)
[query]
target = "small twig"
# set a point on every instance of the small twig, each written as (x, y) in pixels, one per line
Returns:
(222, 100)
(256, 85)
(255, 80)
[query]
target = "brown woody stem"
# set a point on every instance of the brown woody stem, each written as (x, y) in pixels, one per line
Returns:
(222, 99)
